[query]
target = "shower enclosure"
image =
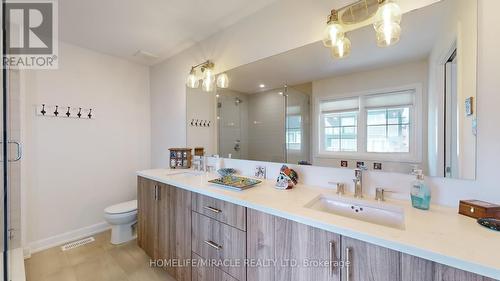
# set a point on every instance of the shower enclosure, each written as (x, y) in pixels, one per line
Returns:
(10, 155)
(271, 125)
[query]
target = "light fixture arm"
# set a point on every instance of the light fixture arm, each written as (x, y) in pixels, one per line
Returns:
(204, 65)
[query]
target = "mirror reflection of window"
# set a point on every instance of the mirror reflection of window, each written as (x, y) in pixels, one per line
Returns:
(294, 132)
(389, 120)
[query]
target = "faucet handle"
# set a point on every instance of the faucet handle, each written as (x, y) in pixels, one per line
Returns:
(380, 193)
(340, 187)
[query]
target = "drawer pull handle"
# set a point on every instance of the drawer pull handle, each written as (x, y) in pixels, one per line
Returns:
(213, 245)
(333, 262)
(348, 265)
(212, 209)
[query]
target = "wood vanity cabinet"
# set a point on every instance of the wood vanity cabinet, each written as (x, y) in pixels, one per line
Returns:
(418, 269)
(147, 212)
(369, 262)
(301, 252)
(176, 224)
(164, 224)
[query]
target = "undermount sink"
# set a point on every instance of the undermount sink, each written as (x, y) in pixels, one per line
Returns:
(185, 173)
(373, 212)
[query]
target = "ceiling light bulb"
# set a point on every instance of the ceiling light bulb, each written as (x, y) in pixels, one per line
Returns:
(208, 74)
(222, 81)
(387, 25)
(192, 81)
(208, 85)
(388, 34)
(334, 31)
(262, 86)
(342, 48)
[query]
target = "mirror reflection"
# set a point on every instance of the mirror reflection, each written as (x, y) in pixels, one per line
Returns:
(407, 105)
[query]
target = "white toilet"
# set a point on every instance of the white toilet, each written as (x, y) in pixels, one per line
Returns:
(121, 217)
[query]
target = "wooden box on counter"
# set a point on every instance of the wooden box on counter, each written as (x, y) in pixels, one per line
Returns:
(180, 158)
(478, 209)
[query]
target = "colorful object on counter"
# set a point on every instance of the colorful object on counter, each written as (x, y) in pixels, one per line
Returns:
(420, 192)
(287, 178)
(235, 182)
(180, 158)
(479, 209)
(224, 172)
(491, 223)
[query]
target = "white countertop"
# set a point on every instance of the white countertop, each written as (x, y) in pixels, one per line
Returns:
(440, 234)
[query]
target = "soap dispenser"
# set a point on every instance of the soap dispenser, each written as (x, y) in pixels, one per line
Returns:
(420, 192)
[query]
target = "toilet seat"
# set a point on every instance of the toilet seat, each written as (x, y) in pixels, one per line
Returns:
(122, 208)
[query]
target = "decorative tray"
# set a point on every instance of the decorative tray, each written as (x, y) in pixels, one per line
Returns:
(235, 182)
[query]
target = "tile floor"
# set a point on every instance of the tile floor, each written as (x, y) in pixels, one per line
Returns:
(98, 261)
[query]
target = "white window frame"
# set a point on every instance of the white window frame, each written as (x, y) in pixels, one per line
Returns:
(416, 128)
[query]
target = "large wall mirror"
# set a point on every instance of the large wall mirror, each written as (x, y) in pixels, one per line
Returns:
(390, 109)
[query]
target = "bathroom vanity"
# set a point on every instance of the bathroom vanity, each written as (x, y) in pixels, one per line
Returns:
(183, 217)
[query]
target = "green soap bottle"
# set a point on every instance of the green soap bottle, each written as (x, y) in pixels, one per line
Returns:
(420, 192)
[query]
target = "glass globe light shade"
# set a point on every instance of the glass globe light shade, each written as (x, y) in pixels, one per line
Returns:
(388, 34)
(342, 48)
(332, 34)
(222, 81)
(192, 80)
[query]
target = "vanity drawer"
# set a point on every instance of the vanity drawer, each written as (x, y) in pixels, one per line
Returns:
(202, 272)
(211, 239)
(228, 213)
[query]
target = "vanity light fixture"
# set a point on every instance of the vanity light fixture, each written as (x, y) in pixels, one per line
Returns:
(386, 16)
(208, 77)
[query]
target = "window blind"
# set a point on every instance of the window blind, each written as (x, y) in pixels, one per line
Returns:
(330, 106)
(400, 98)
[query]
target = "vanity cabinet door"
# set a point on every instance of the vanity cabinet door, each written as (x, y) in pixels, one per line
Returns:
(369, 262)
(147, 210)
(301, 252)
(174, 229)
(314, 251)
(446, 273)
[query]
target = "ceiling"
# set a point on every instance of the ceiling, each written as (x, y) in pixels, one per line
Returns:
(158, 27)
(420, 30)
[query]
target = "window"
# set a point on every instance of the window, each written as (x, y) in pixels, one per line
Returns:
(341, 131)
(339, 125)
(388, 130)
(294, 132)
(380, 126)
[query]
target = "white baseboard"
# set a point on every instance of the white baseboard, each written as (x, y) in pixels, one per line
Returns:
(66, 237)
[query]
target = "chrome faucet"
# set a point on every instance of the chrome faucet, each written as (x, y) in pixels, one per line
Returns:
(358, 181)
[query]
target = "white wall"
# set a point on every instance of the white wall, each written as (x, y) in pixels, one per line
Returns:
(242, 43)
(79, 167)
(458, 32)
(201, 107)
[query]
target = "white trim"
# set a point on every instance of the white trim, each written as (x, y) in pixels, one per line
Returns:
(66, 237)
(416, 148)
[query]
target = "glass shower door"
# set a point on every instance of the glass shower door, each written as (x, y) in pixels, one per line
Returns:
(10, 171)
(230, 131)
